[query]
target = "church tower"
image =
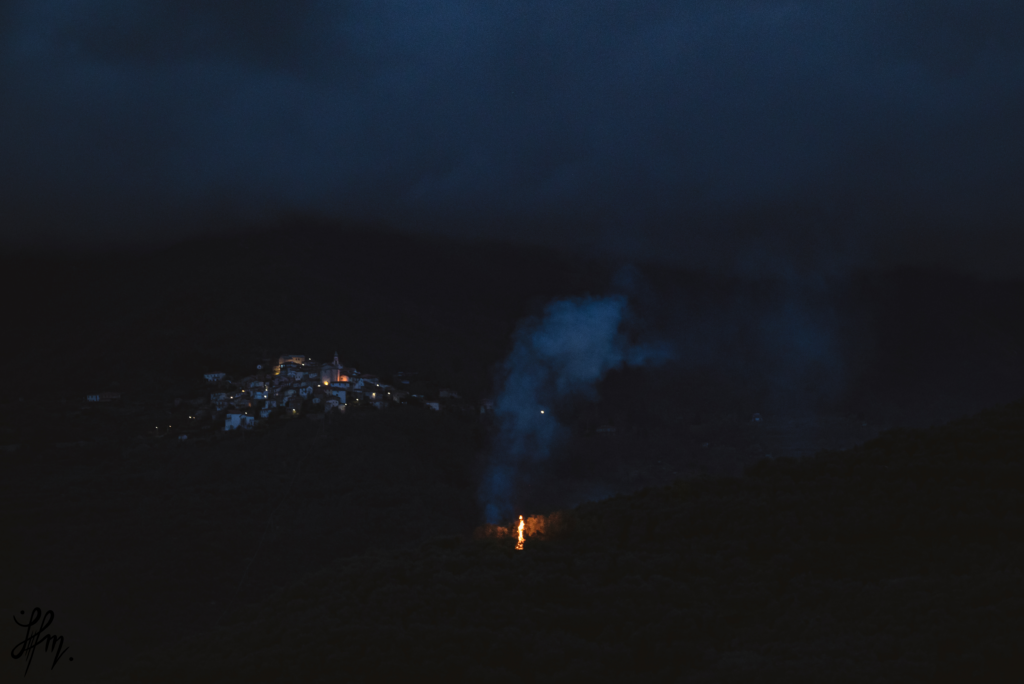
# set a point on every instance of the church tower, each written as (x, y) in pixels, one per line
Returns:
(331, 372)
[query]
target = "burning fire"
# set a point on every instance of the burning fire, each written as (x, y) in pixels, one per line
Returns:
(542, 526)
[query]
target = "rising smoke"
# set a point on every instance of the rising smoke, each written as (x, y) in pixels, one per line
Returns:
(560, 356)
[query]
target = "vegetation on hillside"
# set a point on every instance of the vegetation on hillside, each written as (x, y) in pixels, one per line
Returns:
(900, 560)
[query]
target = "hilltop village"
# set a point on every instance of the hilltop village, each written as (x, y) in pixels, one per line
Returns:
(298, 385)
(207, 405)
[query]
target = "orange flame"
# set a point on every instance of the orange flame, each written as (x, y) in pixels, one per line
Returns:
(519, 544)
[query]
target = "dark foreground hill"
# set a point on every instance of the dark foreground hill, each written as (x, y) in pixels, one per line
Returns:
(900, 560)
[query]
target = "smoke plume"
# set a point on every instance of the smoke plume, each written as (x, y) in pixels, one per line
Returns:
(560, 356)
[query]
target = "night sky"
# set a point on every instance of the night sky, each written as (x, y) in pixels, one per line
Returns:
(733, 135)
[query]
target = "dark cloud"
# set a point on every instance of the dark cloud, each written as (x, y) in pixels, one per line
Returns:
(729, 134)
(949, 36)
(268, 33)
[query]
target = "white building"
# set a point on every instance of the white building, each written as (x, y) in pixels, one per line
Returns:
(236, 419)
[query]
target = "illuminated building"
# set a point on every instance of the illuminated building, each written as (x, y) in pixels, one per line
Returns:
(333, 372)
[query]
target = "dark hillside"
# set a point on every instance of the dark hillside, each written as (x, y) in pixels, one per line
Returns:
(899, 347)
(898, 561)
(164, 538)
(113, 523)
(144, 321)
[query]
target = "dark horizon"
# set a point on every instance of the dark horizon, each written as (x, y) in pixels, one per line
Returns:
(323, 230)
(450, 306)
